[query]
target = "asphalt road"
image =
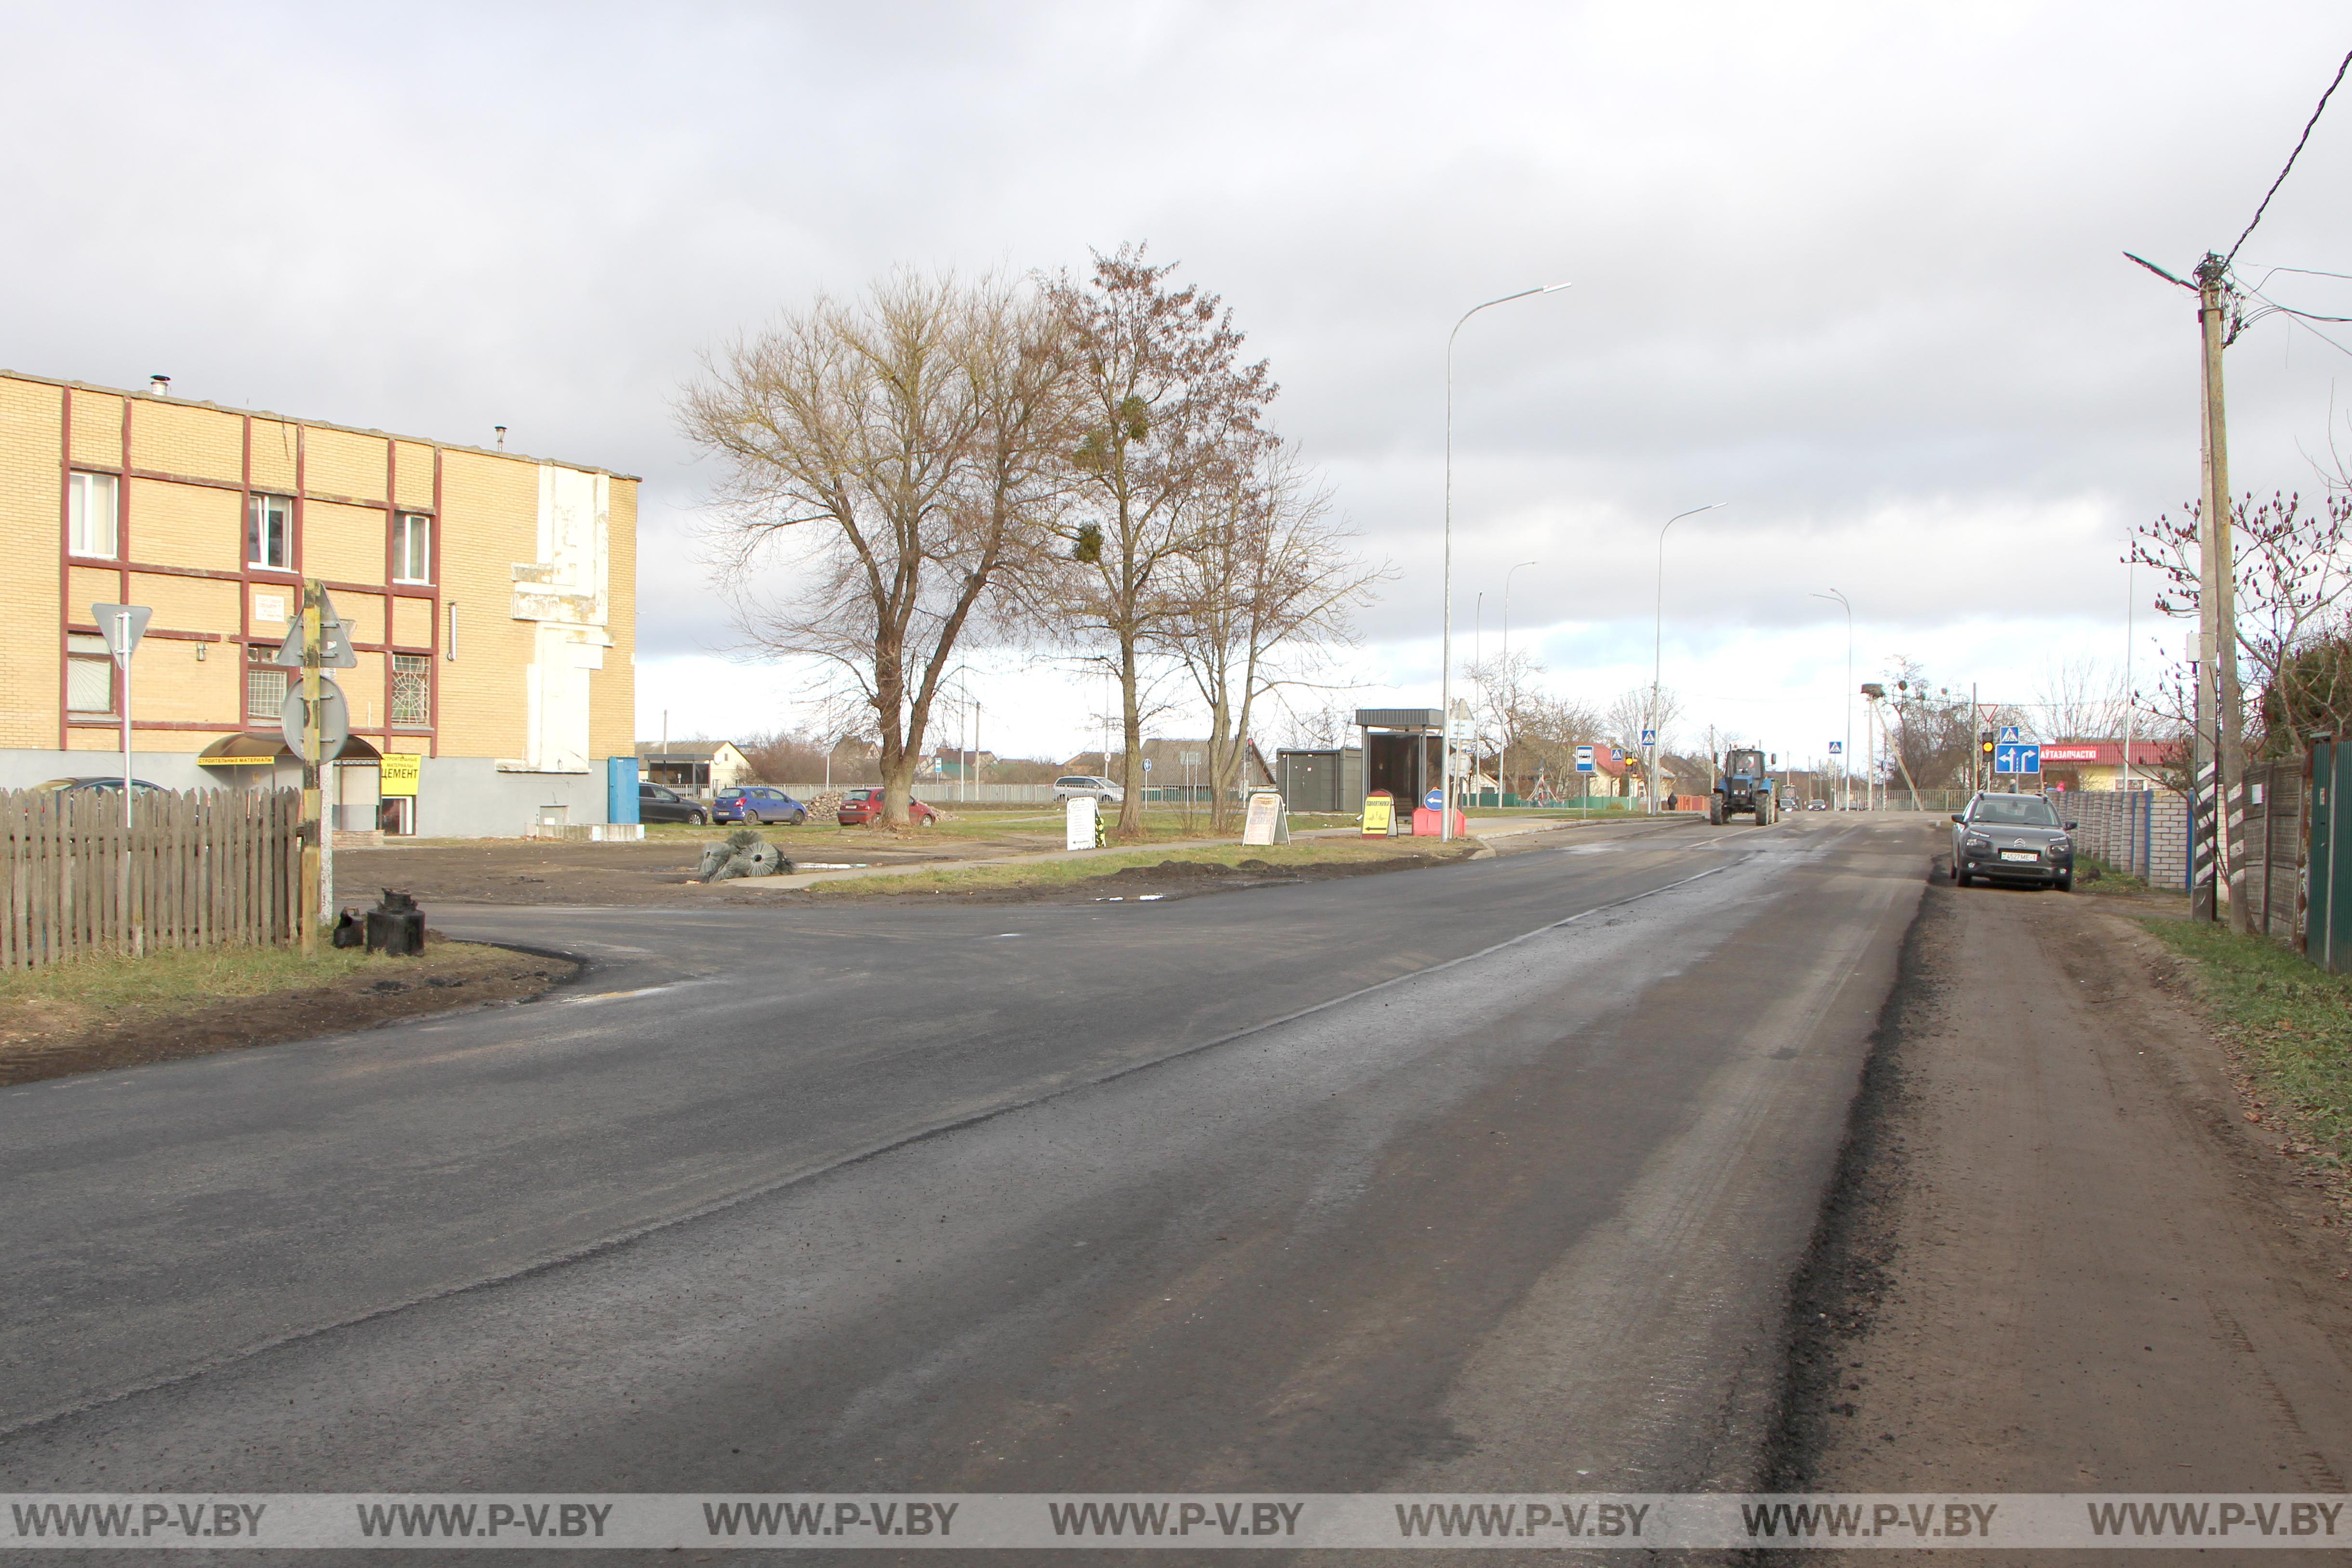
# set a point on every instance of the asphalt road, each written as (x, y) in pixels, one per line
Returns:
(1487, 1177)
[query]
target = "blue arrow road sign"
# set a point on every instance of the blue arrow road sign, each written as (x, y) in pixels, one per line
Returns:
(1435, 800)
(2013, 757)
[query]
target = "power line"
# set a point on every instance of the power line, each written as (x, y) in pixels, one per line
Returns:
(2290, 157)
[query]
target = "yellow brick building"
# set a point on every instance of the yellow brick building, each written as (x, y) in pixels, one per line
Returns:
(490, 599)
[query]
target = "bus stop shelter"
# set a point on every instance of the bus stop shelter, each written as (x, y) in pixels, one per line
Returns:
(1403, 752)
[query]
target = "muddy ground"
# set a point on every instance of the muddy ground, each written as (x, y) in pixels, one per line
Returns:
(2060, 1256)
(660, 872)
(512, 872)
(45, 1039)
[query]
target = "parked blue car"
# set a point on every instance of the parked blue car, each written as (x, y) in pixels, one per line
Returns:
(752, 805)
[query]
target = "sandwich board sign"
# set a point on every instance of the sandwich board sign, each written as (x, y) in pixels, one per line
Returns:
(1268, 820)
(1380, 814)
(1079, 823)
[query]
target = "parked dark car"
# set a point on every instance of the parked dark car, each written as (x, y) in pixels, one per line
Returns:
(752, 805)
(861, 807)
(101, 784)
(656, 804)
(2012, 838)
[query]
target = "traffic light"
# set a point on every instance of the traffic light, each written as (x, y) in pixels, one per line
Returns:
(1984, 742)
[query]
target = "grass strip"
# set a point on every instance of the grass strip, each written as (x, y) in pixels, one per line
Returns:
(204, 975)
(2288, 1023)
(1068, 873)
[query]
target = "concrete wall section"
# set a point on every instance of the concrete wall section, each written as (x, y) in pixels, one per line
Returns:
(470, 797)
(2143, 833)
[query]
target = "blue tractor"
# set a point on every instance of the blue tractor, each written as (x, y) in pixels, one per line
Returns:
(1745, 787)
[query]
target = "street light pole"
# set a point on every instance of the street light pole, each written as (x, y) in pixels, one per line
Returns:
(1503, 743)
(1445, 642)
(1845, 762)
(1657, 649)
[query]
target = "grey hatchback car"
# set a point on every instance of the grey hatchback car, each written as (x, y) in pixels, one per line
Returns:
(2012, 838)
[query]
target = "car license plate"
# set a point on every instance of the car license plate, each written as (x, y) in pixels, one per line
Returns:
(2028, 856)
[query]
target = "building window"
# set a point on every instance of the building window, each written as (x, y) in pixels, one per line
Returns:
(89, 504)
(412, 548)
(412, 690)
(265, 685)
(268, 531)
(90, 674)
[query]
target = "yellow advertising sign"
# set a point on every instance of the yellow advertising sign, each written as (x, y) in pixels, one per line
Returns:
(401, 772)
(1380, 814)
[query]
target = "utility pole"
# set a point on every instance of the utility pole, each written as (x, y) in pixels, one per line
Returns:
(2221, 815)
(314, 829)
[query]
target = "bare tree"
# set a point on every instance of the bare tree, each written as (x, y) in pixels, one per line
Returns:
(1266, 587)
(1633, 712)
(1543, 732)
(2081, 698)
(916, 437)
(1170, 415)
(2292, 576)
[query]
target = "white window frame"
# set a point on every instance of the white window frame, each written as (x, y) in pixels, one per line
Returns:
(412, 536)
(258, 508)
(84, 650)
(261, 660)
(84, 488)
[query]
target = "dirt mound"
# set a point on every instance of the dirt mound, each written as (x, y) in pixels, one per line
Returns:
(1178, 870)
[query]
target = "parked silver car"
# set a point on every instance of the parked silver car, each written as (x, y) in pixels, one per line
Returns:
(2012, 838)
(1074, 786)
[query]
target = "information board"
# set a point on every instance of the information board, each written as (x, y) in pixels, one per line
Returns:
(402, 769)
(1267, 822)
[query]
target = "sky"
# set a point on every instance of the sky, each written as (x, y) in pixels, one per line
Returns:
(1853, 272)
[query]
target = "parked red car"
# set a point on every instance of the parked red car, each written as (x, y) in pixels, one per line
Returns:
(861, 807)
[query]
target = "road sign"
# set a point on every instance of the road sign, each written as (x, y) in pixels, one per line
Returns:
(2015, 757)
(334, 640)
(334, 721)
(1836, 747)
(1585, 759)
(1649, 737)
(123, 626)
(1147, 765)
(2010, 732)
(1435, 800)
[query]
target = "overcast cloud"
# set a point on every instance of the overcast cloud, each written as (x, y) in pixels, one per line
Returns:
(1853, 269)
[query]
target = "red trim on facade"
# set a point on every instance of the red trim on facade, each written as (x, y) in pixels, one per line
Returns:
(122, 513)
(91, 631)
(301, 489)
(248, 577)
(65, 556)
(162, 478)
(440, 628)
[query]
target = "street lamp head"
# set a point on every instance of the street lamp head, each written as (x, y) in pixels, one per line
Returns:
(1554, 288)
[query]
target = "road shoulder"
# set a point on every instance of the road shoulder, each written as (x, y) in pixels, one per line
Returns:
(2058, 1258)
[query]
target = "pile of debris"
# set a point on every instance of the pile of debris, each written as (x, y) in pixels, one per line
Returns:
(741, 853)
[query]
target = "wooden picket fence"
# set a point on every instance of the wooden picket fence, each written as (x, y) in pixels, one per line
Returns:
(207, 869)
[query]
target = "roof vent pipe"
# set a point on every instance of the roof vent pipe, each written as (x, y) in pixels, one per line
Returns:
(502, 436)
(161, 385)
